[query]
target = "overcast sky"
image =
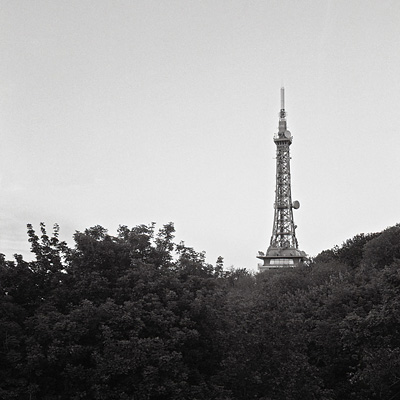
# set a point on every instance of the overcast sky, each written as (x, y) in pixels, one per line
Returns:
(128, 112)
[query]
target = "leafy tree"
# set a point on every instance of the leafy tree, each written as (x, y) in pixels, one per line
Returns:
(137, 316)
(349, 253)
(384, 249)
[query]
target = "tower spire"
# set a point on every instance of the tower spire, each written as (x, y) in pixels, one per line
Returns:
(283, 250)
(282, 114)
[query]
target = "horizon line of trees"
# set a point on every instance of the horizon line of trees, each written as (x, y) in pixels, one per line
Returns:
(137, 316)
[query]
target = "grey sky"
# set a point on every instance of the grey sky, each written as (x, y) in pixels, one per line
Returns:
(128, 112)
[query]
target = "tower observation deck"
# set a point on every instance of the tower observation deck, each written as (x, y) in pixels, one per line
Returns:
(283, 250)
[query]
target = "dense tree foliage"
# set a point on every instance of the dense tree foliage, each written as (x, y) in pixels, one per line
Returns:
(136, 316)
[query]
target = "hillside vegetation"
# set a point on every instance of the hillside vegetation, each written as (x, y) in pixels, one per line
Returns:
(136, 316)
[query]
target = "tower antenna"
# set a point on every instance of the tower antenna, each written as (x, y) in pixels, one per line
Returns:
(282, 114)
(284, 250)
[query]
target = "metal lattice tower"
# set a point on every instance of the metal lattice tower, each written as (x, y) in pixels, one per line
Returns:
(284, 249)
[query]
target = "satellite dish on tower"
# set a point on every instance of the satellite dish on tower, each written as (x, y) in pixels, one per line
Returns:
(288, 134)
(296, 205)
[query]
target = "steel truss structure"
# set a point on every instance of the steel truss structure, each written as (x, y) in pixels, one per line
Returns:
(283, 232)
(284, 249)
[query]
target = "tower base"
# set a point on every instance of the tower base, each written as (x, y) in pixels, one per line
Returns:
(278, 258)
